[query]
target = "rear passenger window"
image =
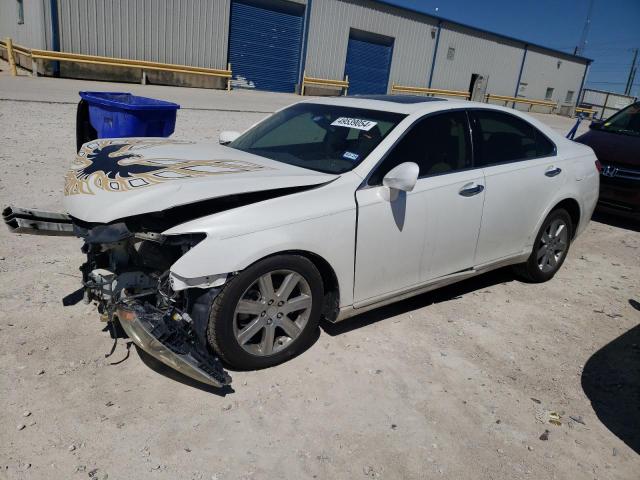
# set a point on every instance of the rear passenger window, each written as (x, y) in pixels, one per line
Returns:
(438, 144)
(501, 137)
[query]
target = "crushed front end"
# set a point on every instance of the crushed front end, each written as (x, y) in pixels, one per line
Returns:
(127, 275)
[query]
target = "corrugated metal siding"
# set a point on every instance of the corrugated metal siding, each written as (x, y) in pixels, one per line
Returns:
(188, 32)
(264, 47)
(368, 67)
(195, 32)
(33, 32)
(331, 21)
(541, 71)
(475, 52)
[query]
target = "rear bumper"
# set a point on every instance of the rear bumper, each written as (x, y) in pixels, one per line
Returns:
(171, 342)
(607, 207)
(620, 196)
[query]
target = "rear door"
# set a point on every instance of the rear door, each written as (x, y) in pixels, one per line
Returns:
(407, 238)
(522, 174)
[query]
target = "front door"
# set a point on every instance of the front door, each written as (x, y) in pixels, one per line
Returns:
(405, 239)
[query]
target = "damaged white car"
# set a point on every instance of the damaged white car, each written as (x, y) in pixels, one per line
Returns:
(326, 209)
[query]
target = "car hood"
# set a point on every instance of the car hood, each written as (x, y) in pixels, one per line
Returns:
(112, 179)
(613, 148)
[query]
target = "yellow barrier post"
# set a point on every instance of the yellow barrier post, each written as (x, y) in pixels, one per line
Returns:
(324, 82)
(11, 58)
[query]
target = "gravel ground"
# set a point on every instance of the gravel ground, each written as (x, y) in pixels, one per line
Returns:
(464, 382)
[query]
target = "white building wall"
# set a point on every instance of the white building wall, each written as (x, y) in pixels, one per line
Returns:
(186, 32)
(331, 20)
(196, 32)
(31, 33)
(495, 58)
(544, 70)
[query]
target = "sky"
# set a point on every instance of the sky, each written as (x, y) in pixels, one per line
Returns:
(558, 24)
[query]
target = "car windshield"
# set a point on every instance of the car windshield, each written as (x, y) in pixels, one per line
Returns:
(325, 138)
(626, 121)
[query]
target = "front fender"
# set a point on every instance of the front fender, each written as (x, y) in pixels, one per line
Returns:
(321, 221)
(331, 237)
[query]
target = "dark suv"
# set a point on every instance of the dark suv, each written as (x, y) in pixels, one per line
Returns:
(616, 142)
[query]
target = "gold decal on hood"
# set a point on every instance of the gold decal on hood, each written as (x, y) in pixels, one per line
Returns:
(115, 166)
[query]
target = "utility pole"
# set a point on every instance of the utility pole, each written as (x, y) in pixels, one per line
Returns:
(579, 50)
(632, 73)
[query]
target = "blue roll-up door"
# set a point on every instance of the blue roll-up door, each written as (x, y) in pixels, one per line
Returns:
(264, 47)
(368, 65)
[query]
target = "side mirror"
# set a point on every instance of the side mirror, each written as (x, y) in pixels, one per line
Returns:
(402, 177)
(227, 137)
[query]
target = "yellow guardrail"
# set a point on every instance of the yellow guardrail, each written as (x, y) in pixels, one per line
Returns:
(127, 63)
(502, 98)
(16, 48)
(12, 49)
(39, 55)
(324, 82)
(588, 111)
(430, 91)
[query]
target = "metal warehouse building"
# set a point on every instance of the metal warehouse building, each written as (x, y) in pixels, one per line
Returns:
(270, 44)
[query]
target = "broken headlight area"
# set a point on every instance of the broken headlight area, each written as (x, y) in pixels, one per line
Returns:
(127, 276)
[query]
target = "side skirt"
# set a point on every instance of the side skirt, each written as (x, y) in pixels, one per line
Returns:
(370, 304)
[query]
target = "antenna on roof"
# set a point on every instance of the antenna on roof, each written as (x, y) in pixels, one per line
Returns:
(579, 50)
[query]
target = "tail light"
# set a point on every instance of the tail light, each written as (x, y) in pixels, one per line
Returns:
(598, 166)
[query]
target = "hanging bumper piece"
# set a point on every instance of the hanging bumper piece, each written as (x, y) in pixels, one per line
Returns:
(170, 341)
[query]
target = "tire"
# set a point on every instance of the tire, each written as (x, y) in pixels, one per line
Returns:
(538, 268)
(253, 326)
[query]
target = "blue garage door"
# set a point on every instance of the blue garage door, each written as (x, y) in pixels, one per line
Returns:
(264, 47)
(368, 65)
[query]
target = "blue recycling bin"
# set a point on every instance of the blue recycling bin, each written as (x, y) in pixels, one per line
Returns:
(119, 114)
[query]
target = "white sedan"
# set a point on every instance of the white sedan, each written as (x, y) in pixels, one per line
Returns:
(326, 209)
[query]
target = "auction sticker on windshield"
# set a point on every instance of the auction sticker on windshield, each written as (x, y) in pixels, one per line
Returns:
(356, 123)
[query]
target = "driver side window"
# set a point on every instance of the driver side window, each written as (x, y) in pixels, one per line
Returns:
(438, 143)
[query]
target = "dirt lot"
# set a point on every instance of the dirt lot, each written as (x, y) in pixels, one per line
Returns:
(458, 383)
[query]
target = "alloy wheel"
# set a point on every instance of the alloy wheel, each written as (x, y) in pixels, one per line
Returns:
(553, 245)
(272, 312)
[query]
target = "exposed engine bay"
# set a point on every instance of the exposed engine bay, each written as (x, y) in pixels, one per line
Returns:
(126, 274)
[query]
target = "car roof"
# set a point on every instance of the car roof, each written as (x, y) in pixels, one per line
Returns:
(421, 105)
(406, 104)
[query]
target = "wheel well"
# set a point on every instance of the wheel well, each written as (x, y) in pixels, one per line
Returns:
(573, 209)
(329, 281)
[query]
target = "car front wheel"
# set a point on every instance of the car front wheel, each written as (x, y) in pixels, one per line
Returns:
(267, 313)
(549, 249)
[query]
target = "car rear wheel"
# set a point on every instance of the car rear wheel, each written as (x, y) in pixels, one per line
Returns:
(267, 313)
(549, 249)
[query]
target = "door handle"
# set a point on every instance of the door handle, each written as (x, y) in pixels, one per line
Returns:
(471, 190)
(552, 172)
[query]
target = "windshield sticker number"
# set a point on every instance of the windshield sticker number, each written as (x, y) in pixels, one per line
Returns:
(356, 123)
(350, 156)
